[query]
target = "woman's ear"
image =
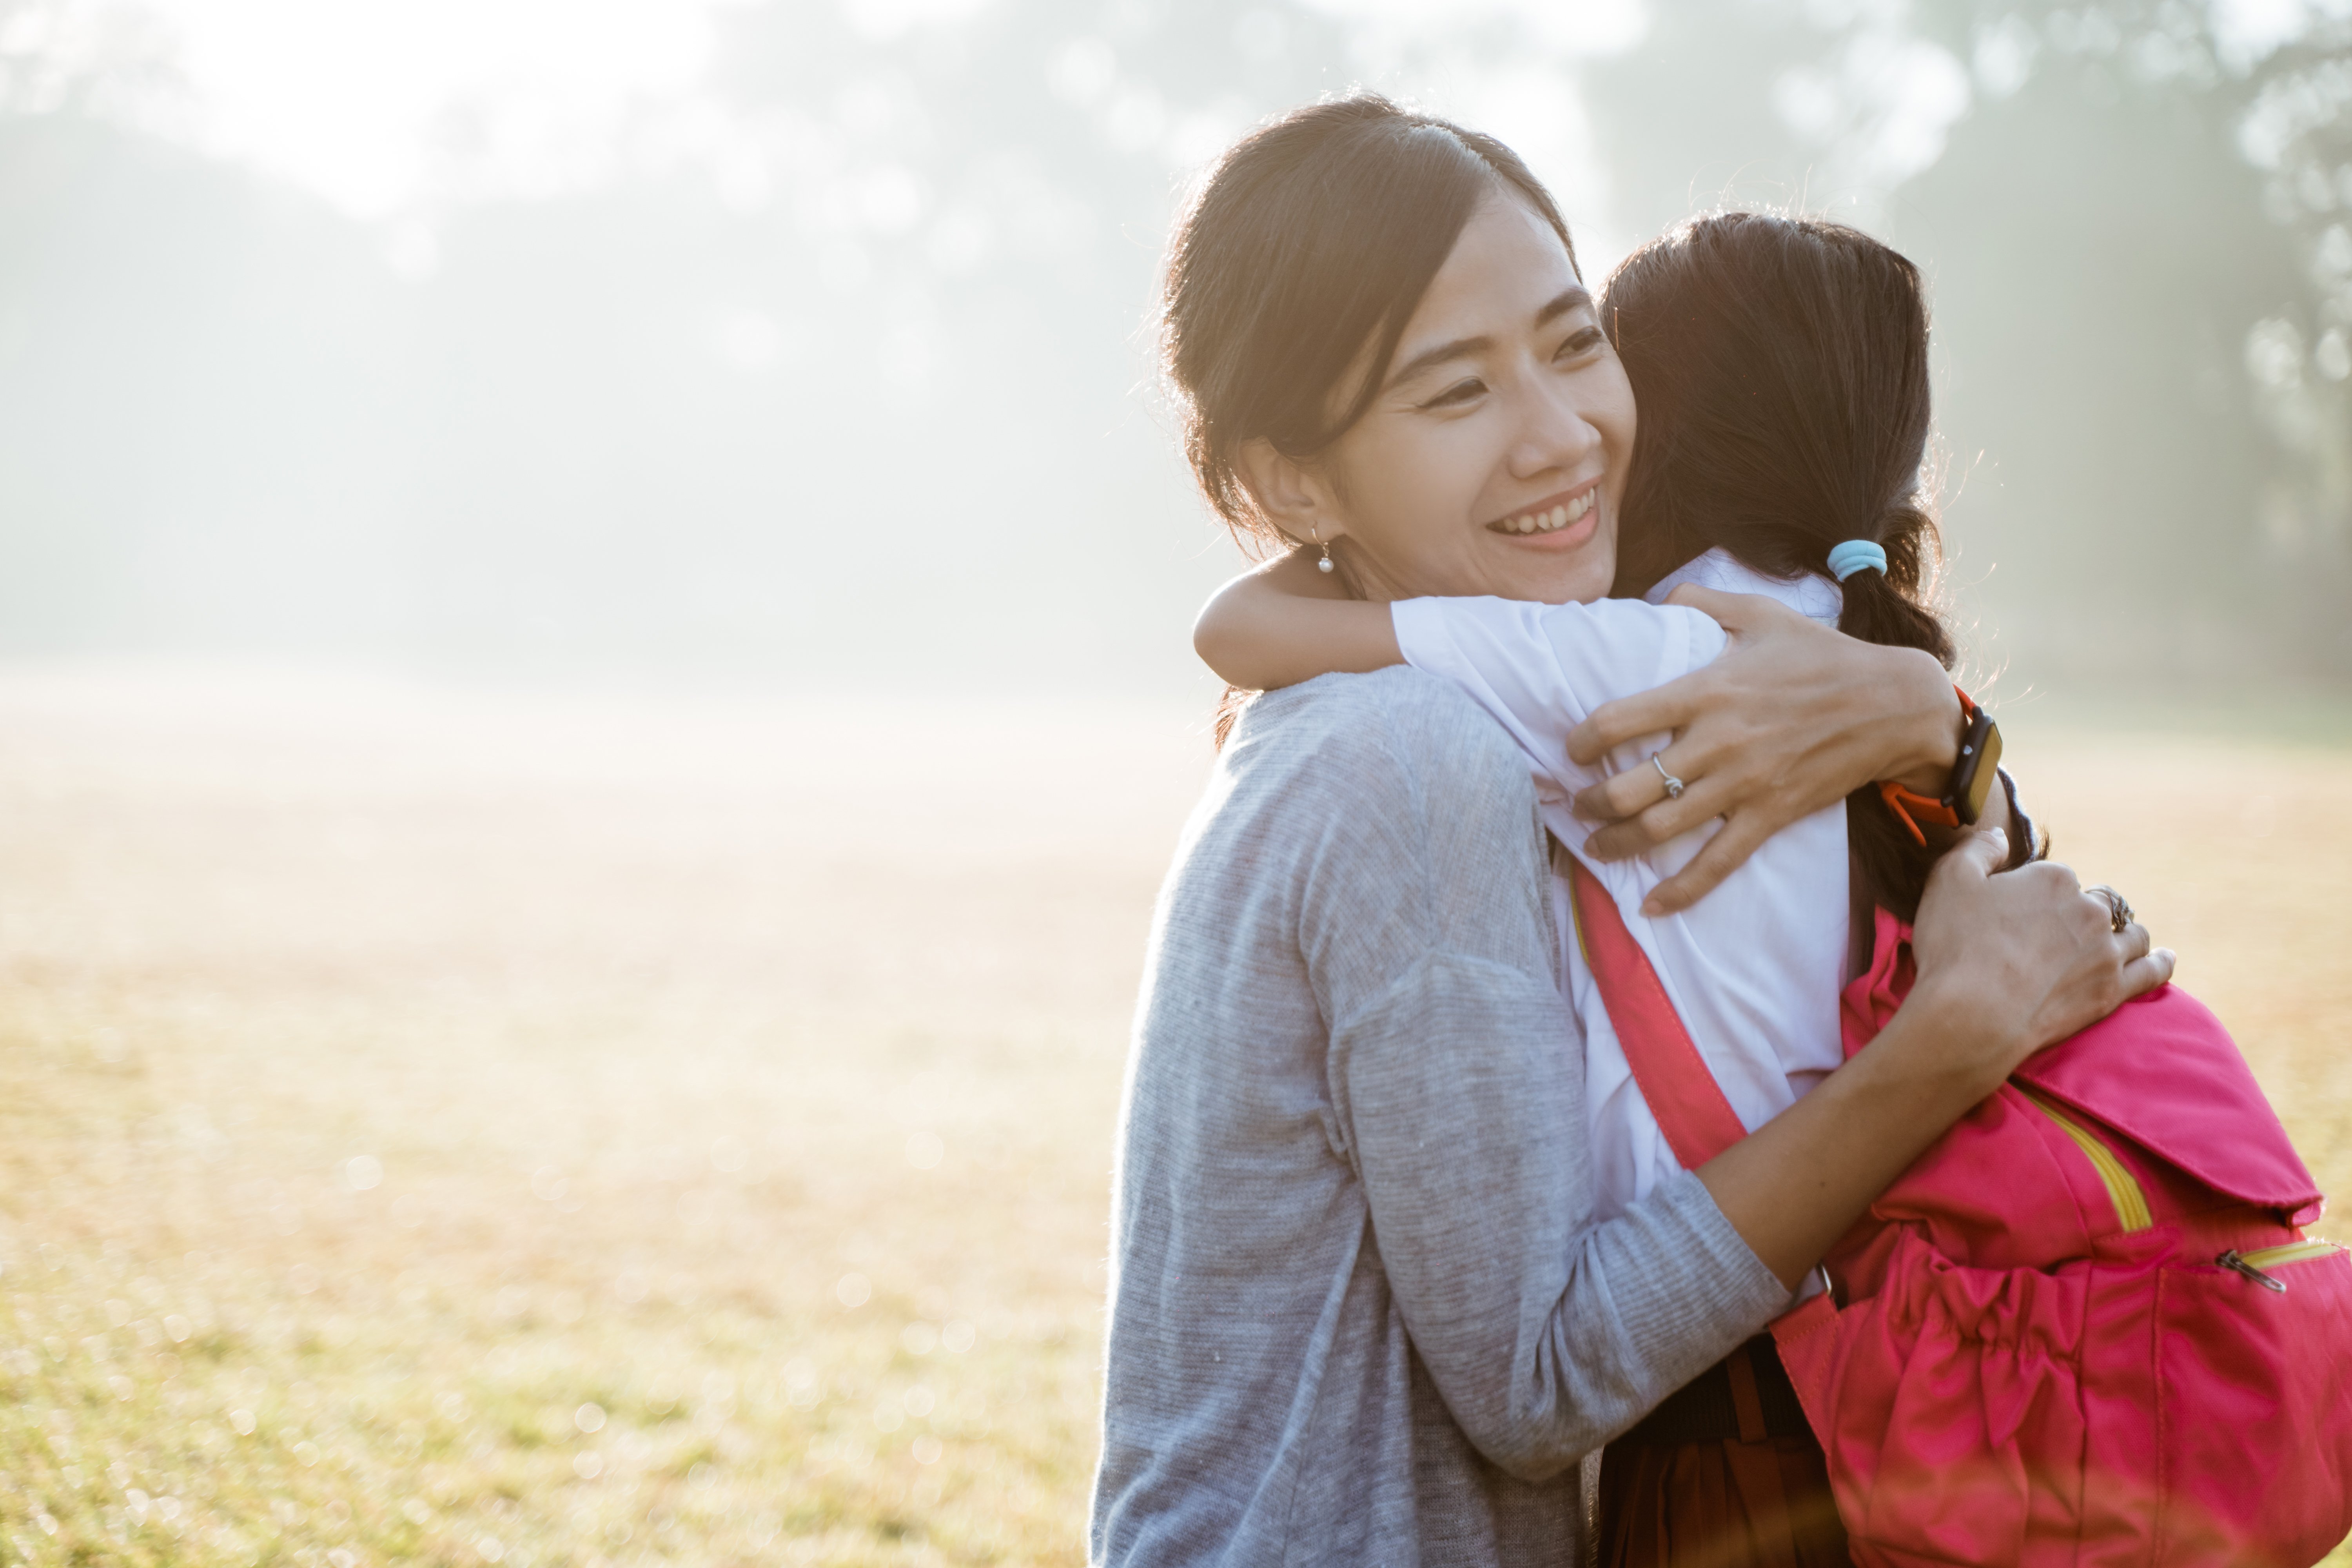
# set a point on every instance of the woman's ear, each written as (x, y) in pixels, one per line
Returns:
(1294, 495)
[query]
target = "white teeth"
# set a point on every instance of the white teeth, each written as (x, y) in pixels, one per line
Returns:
(1550, 522)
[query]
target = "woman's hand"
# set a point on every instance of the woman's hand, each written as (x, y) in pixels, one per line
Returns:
(1793, 717)
(2023, 960)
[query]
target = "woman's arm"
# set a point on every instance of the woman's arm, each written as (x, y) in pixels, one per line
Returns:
(1285, 622)
(1423, 927)
(1457, 1090)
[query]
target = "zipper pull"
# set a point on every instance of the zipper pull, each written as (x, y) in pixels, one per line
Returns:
(2237, 1265)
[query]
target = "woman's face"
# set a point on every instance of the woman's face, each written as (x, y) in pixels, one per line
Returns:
(1493, 456)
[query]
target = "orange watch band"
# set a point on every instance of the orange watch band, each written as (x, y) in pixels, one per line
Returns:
(1912, 808)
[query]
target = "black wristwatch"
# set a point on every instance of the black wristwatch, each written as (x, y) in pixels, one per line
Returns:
(1974, 775)
(1977, 770)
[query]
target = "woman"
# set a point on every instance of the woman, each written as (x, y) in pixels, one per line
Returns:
(1361, 1310)
(1781, 366)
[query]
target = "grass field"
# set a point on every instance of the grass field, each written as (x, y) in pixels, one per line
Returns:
(503, 1132)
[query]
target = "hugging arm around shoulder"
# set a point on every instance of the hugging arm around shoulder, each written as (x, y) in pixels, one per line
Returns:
(1284, 623)
(1456, 1079)
(1539, 670)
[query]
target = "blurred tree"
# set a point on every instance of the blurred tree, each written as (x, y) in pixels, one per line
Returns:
(833, 371)
(2130, 215)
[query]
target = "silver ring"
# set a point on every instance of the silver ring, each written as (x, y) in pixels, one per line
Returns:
(2119, 910)
(1674, 784)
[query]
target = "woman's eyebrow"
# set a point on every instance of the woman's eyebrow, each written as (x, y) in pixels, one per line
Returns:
(1460, 347)
(1571, 298)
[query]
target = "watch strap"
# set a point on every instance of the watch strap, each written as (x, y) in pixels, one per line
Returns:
(1974, 774)
(1912, 808)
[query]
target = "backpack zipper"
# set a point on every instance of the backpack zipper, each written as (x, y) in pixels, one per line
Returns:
(2251, 1264)
(2123, 1188)
(2132, 1212)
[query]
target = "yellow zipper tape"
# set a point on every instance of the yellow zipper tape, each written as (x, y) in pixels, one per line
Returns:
(2123, 1188)
(2292, 1252)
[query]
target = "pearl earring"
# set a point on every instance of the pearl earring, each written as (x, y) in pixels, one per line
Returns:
(1326, 564)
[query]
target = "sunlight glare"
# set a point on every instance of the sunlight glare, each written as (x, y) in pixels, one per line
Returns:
(351, 98)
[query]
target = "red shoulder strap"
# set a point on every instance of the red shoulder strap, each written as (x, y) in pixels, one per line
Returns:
(1697, 1120)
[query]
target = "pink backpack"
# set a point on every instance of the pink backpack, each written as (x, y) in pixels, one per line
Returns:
(2085, 1327)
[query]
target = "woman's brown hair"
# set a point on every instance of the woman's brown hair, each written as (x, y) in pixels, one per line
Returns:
(1780, 368)
(1309, 243)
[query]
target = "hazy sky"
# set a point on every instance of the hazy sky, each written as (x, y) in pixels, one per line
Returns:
(344, 96)
(349, 96)
(607, 313)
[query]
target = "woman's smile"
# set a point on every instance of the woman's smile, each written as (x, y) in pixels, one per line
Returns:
(1558, 522)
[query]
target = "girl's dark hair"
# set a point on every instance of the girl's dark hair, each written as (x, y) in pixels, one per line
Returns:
(1779, 366)
(1314, 237)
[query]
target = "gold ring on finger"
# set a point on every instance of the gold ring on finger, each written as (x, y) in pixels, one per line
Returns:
(2119, 910)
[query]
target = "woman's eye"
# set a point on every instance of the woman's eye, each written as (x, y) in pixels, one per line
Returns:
(1460, 391)
(1580, 342)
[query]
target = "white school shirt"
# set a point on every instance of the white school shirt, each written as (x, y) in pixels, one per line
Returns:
(1755, 967)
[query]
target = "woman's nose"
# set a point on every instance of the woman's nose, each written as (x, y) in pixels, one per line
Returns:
(1554, 432)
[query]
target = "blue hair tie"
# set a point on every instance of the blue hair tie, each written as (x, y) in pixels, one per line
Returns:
(1855, 555)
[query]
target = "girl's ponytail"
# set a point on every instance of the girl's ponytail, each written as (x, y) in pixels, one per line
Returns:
(1780, 368)
(1892, 606)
